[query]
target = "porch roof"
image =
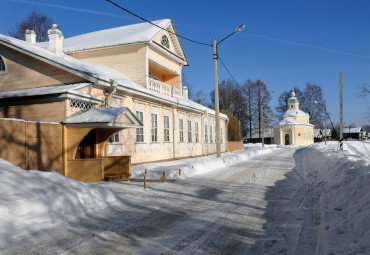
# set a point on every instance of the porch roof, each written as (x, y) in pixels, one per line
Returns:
(104, 117)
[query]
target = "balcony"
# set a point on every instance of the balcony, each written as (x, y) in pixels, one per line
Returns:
(163, 88)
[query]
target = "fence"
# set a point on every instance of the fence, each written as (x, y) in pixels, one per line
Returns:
(234, 146)
(32, 145)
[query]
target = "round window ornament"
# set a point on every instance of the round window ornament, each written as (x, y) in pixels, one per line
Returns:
(165, 42)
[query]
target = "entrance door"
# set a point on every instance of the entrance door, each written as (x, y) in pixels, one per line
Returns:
(86, 148)
(286, 139)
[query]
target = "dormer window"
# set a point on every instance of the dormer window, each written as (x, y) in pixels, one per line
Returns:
(165, 42)
(2, 65)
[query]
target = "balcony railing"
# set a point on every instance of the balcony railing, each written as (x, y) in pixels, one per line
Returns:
(163, 88)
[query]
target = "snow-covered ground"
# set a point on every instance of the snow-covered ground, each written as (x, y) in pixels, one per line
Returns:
(259, 199)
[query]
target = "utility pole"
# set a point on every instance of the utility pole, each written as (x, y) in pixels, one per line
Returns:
(261, 119)
(325, 126)
(217, 107)
(341, 112)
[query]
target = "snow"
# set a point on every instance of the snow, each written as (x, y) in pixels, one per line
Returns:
(352, 130)
(33, 201)
(136, 33)
(295, 113)
(263, 200)
(290, 121)
(200, 165)
(96, 115)
(56, 89)
(99, 72)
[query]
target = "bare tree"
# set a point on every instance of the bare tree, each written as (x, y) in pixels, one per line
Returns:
(314, 103)
(364, 92)
(38, 22)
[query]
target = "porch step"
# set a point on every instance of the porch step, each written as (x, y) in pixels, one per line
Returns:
(117, 177)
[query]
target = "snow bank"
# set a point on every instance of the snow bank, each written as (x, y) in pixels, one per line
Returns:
(31, 201)
(201, 165)
(341, 179)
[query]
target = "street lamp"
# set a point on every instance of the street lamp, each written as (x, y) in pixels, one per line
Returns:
(217, 107)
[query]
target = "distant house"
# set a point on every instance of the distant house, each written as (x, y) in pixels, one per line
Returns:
(255, 138)
(295, 127)
(355, 133)
(317, 134)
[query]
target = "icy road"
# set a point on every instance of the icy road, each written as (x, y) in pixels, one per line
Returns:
(273, 203)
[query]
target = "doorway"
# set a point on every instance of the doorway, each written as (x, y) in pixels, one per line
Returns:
(87, 147)
(287, 139)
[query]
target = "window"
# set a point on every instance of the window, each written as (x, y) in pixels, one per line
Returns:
(222, 136)
(190, 135)
(215, 134)
(166, 134)
(2, 65)
(140, 131)
(206, 134)
(165, 42)
(210, 134)
(154, 128)
(115, 138)
(181, 127)
(196, 132)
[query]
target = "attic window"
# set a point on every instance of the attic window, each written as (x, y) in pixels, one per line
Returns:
(165, 42)
(2, 65)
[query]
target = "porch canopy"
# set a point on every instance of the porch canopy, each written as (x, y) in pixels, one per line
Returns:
(119, 118)
(86, 135)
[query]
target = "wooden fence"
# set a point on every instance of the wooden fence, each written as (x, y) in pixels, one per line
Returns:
(234, 146)
(32, 145)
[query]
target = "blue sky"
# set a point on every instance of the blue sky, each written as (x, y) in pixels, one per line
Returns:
(285, 43)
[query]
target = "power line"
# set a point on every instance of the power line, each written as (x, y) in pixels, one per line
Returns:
(148, 21)
(228, 71)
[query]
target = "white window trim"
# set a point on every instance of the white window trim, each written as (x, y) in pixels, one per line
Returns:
(196, 132)
(190, 132)
(118, 134)
(168, 129)
(142, 128)
(152, 128)
(181, 130)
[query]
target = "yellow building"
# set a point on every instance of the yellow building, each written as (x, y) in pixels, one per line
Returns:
(295, 128)
(113, 93)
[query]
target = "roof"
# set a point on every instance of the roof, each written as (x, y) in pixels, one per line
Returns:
(352, 130)
(49, 90)
(317, 132)
(292, 100)
(290, 121)
(107, 117)
(295, 113)
(97, 73)
(136, 33)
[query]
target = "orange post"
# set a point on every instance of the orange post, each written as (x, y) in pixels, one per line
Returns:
(144, 181)
(146, 171)
(179, 172)
(164, 177)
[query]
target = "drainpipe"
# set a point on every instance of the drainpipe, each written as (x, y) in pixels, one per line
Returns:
(109, 94)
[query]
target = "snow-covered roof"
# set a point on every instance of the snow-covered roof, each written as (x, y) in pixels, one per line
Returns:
(103, 117)
(131, 34)
(352, 130)
(49, 90)
(290, 121)
(295, 113)
(97, 73)
(327, 133)
(317, 132)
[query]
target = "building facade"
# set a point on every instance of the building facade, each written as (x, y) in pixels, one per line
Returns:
(294, 128)
(135, 68)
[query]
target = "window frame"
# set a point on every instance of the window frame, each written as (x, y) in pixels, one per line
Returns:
(190, 132)
(181, 130)
(166, 128)
(154, 127)
(113, 138)
(141, 118)
(210, 134)
(196, 132)
(206, 133)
